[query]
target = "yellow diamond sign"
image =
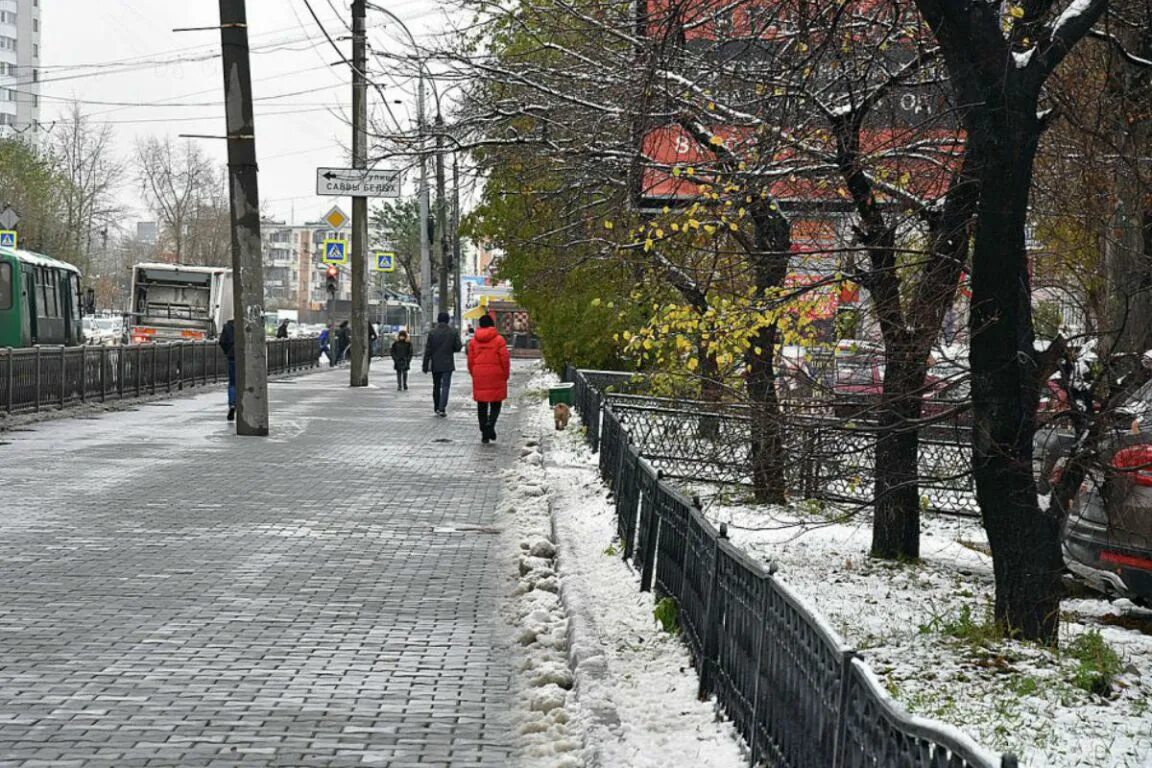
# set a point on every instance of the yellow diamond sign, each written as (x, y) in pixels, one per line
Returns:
(336, 218)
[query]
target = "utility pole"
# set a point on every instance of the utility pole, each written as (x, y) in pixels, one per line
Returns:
(425, 244)
(442, 214)
(360, 351)
(247, 264)
(456, 236)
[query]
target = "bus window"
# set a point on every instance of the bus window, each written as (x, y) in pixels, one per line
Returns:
(54, 291)
(41, 293)
(5, 286)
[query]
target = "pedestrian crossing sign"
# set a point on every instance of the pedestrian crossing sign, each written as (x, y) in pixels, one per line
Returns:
(7, 238)
(335, 252)
(385, 261)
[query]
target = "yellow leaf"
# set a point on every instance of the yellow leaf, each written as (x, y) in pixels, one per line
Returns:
(1016, 11)
(608, 225)
(595, 302)
(648, 245)
(692, 363)
(660, 233)
(716, 141)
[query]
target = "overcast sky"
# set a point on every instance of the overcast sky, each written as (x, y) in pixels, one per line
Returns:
(176, 81)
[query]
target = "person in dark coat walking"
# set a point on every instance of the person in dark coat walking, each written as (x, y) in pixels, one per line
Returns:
(282, 330)
(490, 366)
(439, 360)
(401, 352)
(227, 342)
(343, 341)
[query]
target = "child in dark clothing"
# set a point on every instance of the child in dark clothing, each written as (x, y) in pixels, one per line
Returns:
(402, 359)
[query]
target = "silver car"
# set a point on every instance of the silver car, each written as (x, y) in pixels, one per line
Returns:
(1108, 534)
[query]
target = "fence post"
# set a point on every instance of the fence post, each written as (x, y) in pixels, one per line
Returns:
(83, 374)
(38, 355)
(103, 374)
(652, 530)
(753, 741)
(709, 648)
(122, 364)
(63, 373)
(841, 742)
(1008, 760)
(11, 376)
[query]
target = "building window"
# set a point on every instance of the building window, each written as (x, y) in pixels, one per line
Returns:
(7, 17)
(35, 75)
(35, 25)
(35, 50)
(7, 43)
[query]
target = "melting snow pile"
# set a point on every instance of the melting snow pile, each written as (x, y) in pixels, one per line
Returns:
(603, 685)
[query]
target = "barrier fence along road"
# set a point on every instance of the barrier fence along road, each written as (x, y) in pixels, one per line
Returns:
(46, 377)
(799, 696)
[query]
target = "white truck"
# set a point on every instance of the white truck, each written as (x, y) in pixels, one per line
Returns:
(175, 302)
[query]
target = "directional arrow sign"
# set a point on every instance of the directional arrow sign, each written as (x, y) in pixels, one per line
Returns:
(354, 182)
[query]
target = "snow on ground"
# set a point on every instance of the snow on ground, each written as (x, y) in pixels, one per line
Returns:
(919, 626)
(602, 684)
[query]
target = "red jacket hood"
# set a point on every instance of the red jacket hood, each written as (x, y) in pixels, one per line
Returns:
(485, 335)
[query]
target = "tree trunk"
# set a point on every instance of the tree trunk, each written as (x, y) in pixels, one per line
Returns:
(1024, 539)
(896, 528)
(767, 445)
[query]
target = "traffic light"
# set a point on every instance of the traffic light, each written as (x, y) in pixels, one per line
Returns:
(332, 279)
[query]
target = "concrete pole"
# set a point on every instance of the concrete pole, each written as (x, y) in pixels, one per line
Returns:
(442, 216)
(456, 256)
(360, 351)
(425, 246)
(247, 262)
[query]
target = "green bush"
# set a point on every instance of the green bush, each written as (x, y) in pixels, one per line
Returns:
(1097, 665)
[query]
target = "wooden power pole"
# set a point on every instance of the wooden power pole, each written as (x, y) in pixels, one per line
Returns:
(360, 351)
(247, 263)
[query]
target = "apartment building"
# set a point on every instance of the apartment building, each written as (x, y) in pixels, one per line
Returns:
(19, 66)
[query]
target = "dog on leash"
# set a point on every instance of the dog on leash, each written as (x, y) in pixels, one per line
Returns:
(562, 413)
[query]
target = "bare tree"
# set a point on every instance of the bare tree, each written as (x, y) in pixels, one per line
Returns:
(184, 191)
(83, 154)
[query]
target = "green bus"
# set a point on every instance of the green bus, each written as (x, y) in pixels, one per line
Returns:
(39, 300)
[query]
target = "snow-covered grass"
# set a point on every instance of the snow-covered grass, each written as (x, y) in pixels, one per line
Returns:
(601, 683)
(924, 628)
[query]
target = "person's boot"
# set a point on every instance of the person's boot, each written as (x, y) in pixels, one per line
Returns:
(491, 429)
(231, 413)
(484, 436)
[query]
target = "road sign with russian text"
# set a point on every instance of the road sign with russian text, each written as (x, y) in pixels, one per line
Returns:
(335, 252)
(357, 182)
(385, 261)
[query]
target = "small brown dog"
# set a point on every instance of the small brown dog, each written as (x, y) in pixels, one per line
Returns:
(562, 413)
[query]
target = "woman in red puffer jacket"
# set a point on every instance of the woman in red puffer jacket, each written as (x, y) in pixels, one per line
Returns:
(489, 364)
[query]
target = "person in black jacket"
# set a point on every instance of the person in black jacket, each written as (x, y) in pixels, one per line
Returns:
(439, 360)
(227, 343)
(401, 352)
(282, 330)
(343, 341)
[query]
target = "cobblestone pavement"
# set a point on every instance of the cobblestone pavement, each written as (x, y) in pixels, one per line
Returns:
(172, 595)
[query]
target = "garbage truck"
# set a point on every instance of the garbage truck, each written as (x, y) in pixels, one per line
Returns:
(177, 302)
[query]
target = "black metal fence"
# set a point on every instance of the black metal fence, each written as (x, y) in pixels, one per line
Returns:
(55, 377)
(797, 693)
(827, 458)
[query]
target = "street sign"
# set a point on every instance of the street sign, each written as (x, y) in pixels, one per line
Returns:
(356, 182)
(9, 218)
(7, 239)
(336, 218)
(385, 261)
(335, 252)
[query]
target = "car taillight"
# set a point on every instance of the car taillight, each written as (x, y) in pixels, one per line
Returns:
(1132, 561)
(1136, 461)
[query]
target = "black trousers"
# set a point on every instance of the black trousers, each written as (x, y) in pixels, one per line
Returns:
(402, 379)
(487, 413)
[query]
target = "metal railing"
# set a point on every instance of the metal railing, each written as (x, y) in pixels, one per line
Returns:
(56, 377)
(827, 458)
(797, 693)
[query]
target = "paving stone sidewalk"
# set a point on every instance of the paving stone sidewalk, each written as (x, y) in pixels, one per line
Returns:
(171, 595)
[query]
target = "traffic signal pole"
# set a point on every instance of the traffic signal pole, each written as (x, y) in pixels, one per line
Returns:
(360, 351)
(247, 264)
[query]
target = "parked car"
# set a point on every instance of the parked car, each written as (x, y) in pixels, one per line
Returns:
(947, 390)
(103, 331)
(1108, 534)
(858, 378)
